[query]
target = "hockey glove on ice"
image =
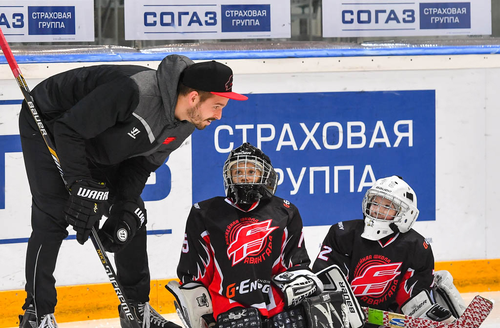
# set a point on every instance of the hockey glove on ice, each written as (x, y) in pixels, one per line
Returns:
(85, 206)
(125, 218)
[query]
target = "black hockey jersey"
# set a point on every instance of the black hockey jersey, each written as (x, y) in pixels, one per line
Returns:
(234, 253)
(383, 274)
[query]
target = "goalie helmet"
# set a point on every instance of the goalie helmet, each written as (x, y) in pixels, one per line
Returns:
(389, 206)
(249, 175)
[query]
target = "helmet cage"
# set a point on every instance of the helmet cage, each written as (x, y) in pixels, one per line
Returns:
(392, 209)
(248, 178)
(395, 209)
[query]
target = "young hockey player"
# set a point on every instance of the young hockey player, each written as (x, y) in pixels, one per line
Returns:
(243, 259)
(112, 126)
(388, 264)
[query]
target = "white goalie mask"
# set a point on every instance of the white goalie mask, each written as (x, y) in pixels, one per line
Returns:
(389, 206)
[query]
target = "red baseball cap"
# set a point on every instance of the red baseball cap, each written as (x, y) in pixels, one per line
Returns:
(213, 77)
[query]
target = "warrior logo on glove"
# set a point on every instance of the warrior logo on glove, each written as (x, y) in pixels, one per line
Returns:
(85, 207)
(92, 194)
(125, 218)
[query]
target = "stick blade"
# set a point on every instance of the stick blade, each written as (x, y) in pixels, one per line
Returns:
(475, 314)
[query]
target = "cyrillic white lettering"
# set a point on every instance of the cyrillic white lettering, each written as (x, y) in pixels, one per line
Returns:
(340, 134)
(309, 136)
(216, 139)
(260, 138)
(295, 184)
(401, 135)
(326, 169)
(360, 134)
(384, 139)
(281, 142)
(244, 127)
(367, 171)
(336, 171)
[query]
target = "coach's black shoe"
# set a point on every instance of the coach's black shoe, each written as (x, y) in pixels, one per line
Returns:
(29, 319)
(142, 315)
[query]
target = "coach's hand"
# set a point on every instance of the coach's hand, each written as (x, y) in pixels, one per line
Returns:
(85, 206)
(125, 218)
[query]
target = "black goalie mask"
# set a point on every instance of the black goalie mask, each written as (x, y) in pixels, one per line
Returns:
(249, 175)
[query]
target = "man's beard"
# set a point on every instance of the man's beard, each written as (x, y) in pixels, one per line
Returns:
(195, 117)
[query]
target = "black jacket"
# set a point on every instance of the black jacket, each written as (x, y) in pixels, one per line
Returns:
(119, 116)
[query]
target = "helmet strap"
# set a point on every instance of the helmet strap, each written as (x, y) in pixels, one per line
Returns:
(394, 227)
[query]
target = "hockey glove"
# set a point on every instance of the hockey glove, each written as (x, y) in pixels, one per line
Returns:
(421, 306)
(125, 218)
(296, 285)
(85, 206)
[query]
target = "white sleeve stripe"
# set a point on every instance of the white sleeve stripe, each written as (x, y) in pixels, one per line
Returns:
(146, 126)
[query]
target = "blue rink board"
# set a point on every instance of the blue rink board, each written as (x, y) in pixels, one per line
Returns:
(415, 163)
(304, 120)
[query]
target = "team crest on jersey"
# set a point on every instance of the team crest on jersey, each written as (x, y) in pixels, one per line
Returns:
(286, 203)
(249, 240)
(376, 279)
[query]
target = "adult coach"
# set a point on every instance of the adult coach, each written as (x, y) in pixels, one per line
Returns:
(112, 125)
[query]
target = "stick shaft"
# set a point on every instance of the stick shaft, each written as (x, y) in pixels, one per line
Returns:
(94, 237)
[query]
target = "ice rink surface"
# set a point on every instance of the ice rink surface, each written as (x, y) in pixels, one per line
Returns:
(493, 320)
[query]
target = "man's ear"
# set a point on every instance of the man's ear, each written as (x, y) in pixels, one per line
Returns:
(193, 98)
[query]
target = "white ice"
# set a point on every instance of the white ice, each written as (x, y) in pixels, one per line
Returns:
(493, 320)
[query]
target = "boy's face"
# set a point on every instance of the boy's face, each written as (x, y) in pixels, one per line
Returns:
(245, 172)
(382, 208)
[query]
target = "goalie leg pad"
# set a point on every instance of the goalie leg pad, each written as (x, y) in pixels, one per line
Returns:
(334, 280)
(325, 310)
(192, 303)
(446, 294)
(240, 318)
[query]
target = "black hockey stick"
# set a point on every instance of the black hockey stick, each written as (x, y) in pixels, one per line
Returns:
(94, 237)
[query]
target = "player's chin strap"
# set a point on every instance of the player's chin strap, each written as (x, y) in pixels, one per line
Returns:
(192, 303)
(394, 227)
(334, 280)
